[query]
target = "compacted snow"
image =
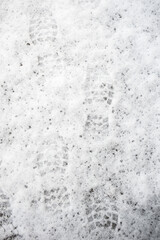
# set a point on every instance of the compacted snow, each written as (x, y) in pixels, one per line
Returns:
(80, 119)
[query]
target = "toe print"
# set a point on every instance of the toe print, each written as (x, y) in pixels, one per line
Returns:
(53, 161)
(102, 215)
(43, 27)
(56, 200)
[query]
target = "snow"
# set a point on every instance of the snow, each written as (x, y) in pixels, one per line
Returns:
(79, 114)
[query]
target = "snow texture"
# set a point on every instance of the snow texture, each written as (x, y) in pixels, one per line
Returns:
(80, 120)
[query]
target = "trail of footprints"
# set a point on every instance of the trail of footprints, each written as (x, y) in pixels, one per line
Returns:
(102, 215)
(53, 161)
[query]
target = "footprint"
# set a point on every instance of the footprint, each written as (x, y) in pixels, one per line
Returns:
(99, 94)
(53, 161)
(43, 27)
(56, 200)
(102, 215)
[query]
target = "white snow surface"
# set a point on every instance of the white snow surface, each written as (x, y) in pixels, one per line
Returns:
(80, 119)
